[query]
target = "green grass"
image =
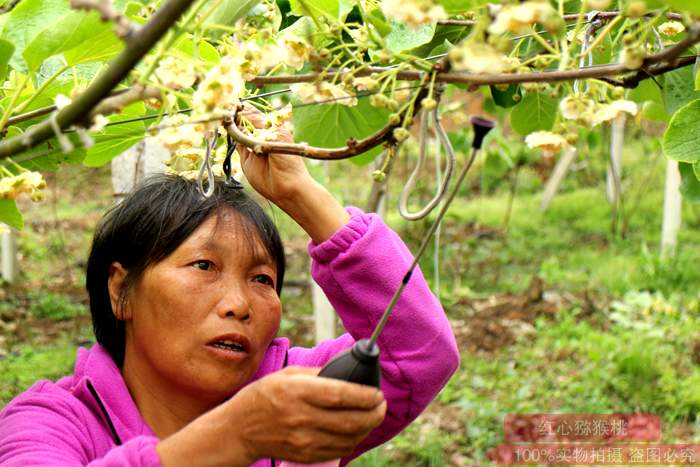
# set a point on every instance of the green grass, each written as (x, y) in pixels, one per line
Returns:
(570, 246)
(637, 361)
(28, 363)
(55, 306)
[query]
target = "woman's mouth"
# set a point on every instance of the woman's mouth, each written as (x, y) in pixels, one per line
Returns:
(230, 344)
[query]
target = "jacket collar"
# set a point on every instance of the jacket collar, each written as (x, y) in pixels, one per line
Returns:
(98, 383)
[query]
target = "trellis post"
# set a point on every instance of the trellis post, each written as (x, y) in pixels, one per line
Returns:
(672, 209)
(613, 182)
(558, 175)
(10, 268)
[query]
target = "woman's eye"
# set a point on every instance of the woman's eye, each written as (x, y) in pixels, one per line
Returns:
(264, 279)
(202, 264)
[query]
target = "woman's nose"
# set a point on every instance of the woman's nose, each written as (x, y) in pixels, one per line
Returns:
(234, 304)
(241, 315)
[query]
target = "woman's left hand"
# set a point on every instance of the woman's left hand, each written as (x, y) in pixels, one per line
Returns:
(278, 177)
(284, 180)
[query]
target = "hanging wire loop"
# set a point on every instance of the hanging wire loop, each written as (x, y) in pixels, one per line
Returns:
(206, 166)
(411, 182)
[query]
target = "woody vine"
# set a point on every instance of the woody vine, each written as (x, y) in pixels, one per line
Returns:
(83, 80)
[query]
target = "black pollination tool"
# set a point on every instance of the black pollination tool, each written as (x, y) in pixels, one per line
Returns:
(360, 364)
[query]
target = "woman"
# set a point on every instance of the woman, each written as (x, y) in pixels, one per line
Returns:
(184, 294)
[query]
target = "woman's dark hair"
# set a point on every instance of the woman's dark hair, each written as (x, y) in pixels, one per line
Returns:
(147, 227)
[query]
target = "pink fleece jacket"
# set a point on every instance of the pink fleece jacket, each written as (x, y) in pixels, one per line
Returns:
(89, 417)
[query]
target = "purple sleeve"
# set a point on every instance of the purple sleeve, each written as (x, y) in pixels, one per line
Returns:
(359, 268)
(47, 430)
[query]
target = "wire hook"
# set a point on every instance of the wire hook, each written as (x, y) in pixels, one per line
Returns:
(410, 183)
(594, 23)
(206, 165)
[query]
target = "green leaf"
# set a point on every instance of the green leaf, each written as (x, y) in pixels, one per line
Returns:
(132, 10)
(377, 19)
(116, 139)
(654, 111)
(536, 112)
(85, 35)
(682, 137)
(679, 89)
(46, 97)
(402, 37)
(205, 50)
(231, 11)
(684, 5)
(508, 97)
(6, 51)
(10, 215)
(330, 125)
(443, 35)
(696, 170)
(455, 7)
(28, 19)
(648, 95)
(690, 185)
(100, 48)
(604, 52)
(344, 8)
(315, 8)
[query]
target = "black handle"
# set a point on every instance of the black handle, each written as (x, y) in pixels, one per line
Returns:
(359, 365)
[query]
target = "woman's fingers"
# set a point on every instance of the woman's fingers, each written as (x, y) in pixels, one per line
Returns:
(336, 394)
(294, 414)
(342, 421)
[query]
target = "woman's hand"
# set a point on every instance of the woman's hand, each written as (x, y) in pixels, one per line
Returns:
(284, 180)
(295, 415)
(289, 415)
(278, 177)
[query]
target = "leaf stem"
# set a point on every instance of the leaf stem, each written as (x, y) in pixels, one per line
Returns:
(15, 96)
(41, 89)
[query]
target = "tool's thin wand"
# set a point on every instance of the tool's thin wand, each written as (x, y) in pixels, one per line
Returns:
(385, 316)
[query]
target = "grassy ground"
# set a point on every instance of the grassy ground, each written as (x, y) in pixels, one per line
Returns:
(553, 312)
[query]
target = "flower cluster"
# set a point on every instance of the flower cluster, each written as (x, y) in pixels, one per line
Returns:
(187, 162)
(671, 28)
(632, 57)
(27, 182)
(298, 51)
(222, 86)
(180, 134)
(255, 57)
(413, 12)
(518, 18)
(546, 140)
(176, 73)
(220, 89)
(480, 58)
(586, 111)
(324, 92)
(615, 110)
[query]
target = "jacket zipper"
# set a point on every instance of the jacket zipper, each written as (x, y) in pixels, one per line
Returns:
(115, 436)
(284, 365)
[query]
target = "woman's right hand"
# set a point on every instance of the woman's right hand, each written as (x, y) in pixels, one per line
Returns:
(291, 414)
(295, 415)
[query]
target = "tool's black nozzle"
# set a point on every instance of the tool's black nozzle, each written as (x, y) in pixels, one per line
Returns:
(481, 127)
(359, 365)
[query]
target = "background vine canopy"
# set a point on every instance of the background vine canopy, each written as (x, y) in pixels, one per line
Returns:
(551, 71)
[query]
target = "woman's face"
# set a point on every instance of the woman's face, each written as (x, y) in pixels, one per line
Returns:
(202, 318)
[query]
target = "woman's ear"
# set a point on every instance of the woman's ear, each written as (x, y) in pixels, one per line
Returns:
(115, 284)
